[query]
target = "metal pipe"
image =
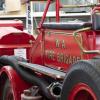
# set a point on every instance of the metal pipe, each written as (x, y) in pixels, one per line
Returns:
(57, 10)
(44, 14)
(55, 89)
(79, 6)
(75, 34)
(31, 94)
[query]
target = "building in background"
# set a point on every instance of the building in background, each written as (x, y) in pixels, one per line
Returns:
(12, 9)
(17, 10)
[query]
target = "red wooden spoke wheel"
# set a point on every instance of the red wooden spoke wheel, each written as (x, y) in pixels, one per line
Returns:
(82, 92)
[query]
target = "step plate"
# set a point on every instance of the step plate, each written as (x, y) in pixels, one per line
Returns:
(44, 70)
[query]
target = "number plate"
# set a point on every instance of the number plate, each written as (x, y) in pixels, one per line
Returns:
(20, 53)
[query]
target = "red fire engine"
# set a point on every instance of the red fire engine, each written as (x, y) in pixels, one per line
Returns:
(62, 63)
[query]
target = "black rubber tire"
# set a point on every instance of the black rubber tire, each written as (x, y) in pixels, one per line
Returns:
(19, 58)
(87, 72)
(7, 88)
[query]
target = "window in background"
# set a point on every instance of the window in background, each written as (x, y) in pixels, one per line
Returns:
(40, 6)
(78, 2)
(1, 5)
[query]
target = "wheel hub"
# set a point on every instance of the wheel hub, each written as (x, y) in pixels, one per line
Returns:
(82, 92)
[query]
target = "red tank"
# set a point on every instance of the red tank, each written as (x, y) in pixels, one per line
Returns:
(15, 42)
(12, 23)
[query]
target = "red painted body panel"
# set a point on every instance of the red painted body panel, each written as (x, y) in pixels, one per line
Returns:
(12, 23)
(64, 53)
(36, 54)
(47, 53)
(17, 83)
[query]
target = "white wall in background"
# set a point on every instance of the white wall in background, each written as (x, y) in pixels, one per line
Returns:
(12, 5)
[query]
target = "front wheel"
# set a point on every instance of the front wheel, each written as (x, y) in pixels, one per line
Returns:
(82, 81)
(7, 91)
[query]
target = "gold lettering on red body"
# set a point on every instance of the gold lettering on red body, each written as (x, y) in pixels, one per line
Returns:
(57, 43)
(61, 57)
(67, 59)
(50, 54)
(60, 44)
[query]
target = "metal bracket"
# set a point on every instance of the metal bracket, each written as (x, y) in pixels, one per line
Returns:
(75, 33)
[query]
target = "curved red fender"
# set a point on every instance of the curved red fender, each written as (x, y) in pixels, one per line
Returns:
(17, 83)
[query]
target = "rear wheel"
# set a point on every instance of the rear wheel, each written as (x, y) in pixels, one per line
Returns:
(82, 81)
(7, 91)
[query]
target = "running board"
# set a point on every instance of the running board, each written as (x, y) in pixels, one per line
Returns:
(44, 70)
